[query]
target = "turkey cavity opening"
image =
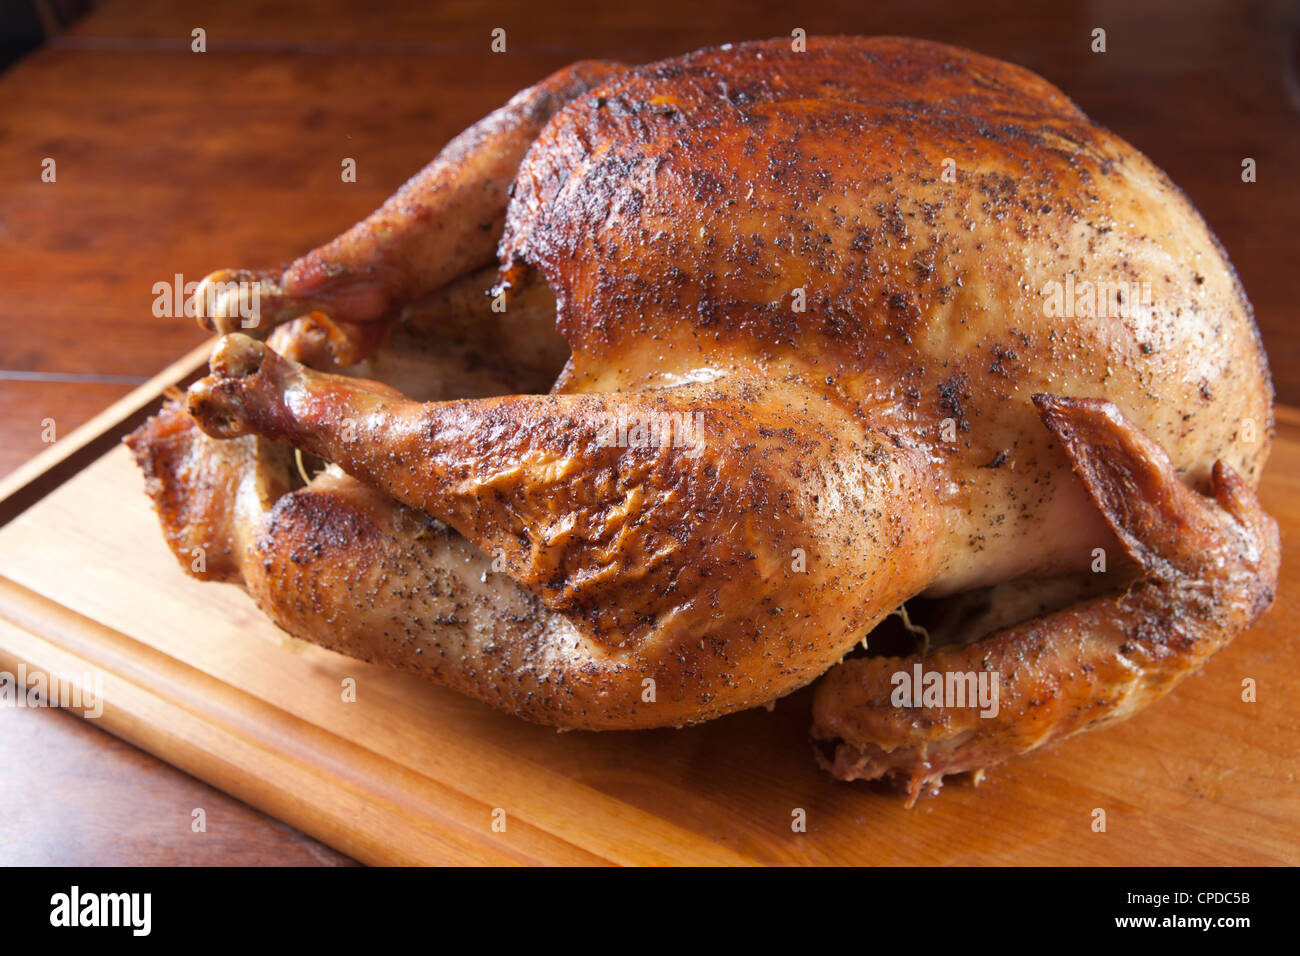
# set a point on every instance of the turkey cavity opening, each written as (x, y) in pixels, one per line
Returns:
(463, 342)
(973, 615)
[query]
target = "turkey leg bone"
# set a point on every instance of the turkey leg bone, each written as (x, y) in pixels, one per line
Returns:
(442, 224)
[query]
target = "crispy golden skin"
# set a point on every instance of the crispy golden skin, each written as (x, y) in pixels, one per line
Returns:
(853, 267)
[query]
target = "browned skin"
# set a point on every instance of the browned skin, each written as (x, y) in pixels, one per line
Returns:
(675, 210)
(1208, 570)
(841, 259)
(345, 566)
(205, 491)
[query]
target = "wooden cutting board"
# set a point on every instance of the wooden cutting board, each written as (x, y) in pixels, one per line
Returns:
(412, 773)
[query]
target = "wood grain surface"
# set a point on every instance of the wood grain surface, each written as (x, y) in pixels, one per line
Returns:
(174, 162)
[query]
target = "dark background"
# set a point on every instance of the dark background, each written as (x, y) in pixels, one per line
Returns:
(171, 161)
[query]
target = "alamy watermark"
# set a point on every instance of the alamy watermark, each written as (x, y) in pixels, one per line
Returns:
(212, 299)
(1100, 300)
(83, 692)
(628, 429)
(133, 911)
(922, 688)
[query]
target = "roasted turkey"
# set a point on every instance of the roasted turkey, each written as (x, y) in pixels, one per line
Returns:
(837, 329)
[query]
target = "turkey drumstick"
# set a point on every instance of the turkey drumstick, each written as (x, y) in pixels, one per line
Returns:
(442, 224)
(729, 560)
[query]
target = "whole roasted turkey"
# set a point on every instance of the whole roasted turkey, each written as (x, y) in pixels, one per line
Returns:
(836, 328)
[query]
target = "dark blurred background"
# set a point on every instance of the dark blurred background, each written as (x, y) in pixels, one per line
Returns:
(26, 24)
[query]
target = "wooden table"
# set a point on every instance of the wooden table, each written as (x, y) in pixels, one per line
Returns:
(174, 162)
